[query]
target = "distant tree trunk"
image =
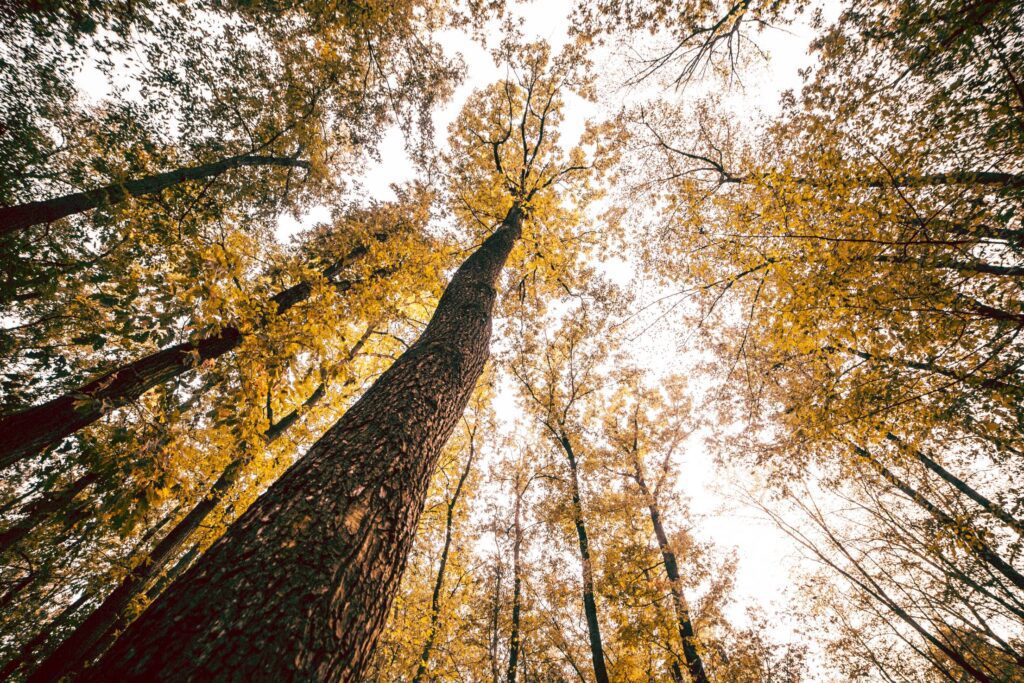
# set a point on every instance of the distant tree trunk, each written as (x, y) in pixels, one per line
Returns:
(687, 634)
(14, 218)
(435, 598)
(85, 643)
(495, 618)
(968, 536)
(24, 656)
(513, 638)
(589, 602)
(44, 508)
(963, 487)
(29, 432)
(300, 586)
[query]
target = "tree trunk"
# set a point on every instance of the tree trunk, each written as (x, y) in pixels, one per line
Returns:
(87, 641)
(41, 510)
(513, 638)
(968, 536)
(15, 218)
(24, 656)
(589, 603)
(962, 486)
(687, 635)
(435, 598)
(29, 432)
(300, 586)
(495, 618)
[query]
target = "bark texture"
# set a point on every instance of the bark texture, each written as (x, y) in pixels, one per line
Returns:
(301, 584)
(91, 637)
(687, 634)
(31, 431)
(589, 602)
(14, 218)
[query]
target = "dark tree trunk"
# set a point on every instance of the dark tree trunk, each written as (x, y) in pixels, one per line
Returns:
(513, 638)
(24, 656)
(963, 487)
(687, 634)
(14, 218)
(968, 536)
(589, 602)
(29, 432)
(92, 636)
(495, 618)
(41, 510)
(435, 598)
(301, 584)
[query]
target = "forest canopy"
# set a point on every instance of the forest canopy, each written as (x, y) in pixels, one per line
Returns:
(498, 340)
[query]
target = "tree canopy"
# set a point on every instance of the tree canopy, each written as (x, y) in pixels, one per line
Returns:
(449, 340)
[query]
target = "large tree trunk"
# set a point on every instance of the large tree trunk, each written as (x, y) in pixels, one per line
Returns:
(687, 634)
(29, 432)
(435, 598)
(88, 640)
(14, 218)
(517, 543)
(301, 584)
(589, 602)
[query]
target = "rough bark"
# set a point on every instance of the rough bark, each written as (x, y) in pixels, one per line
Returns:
(589, 602)
(687, 634)
(90, 638)
(435, 598)
(15, 218)
(968, 536)
(300, 586)
(513, 638)
(31, 431)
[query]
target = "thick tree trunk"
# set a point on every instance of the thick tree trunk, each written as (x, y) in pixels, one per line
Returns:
(435, 598)
(968, 536)
(92, 636)
(589, 602)
(29, 432)
(513, 638)
(301, 584)
(687, 635)
(14, 218)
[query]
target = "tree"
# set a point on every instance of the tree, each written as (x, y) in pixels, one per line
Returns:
(31, 431)
(653, 424)
(382, 465)
(555, 376)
